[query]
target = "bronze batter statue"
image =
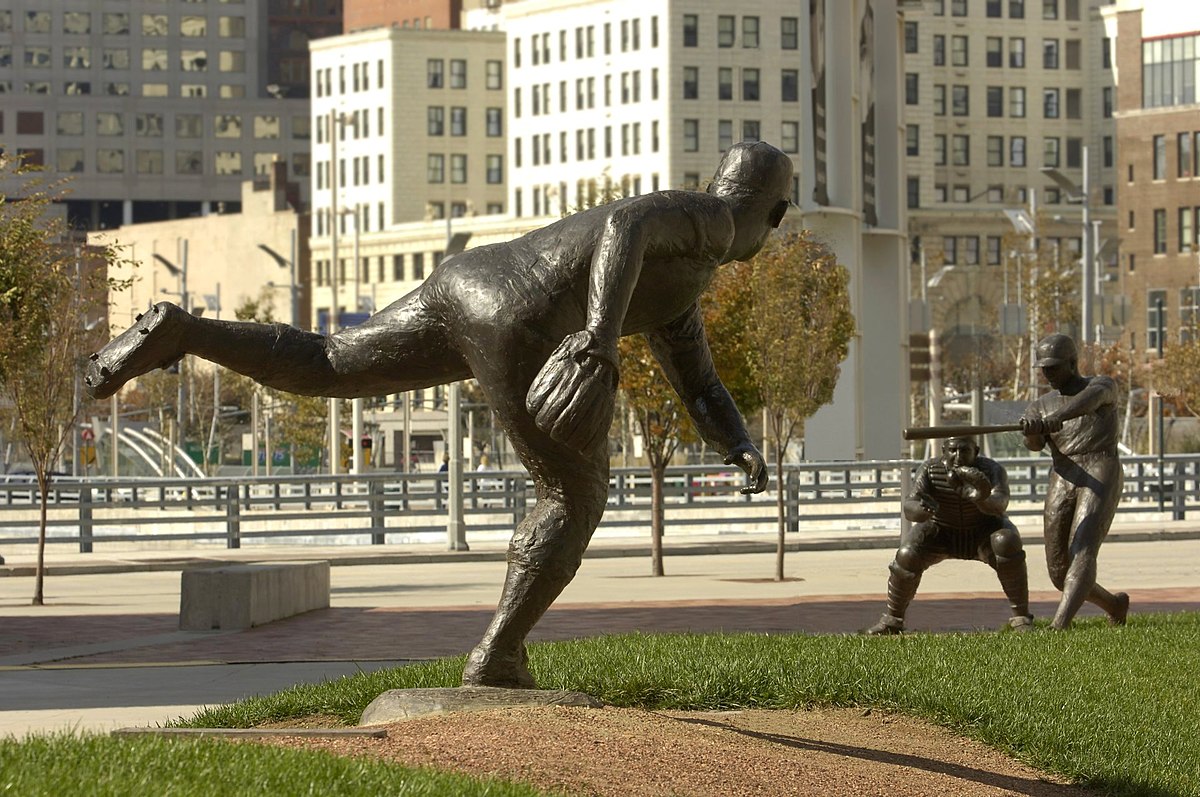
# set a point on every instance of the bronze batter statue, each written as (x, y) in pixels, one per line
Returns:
(957, 508)
(1078, 421)
(536, 322)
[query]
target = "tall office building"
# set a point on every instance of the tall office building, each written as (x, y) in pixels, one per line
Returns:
(1158, 150)
(995, 92)
(157, 110)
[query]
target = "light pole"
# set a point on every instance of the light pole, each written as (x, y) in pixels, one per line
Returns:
(180, 271)
(1082, 196)
(1025, 223)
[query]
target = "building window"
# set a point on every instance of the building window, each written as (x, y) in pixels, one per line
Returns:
(458, 73)
(971, 250)
(950, 250)
(1050, 53)
(993, 9)
(961, 150)
(958, 8)
(724, 134)
(1016, 151)
(789, 33)
(691, 135)
(789, 85)
(495, 122)
(1107, 148)
(913, 190)
(939, 50)
(750, 84)
(691, 30)
(495, 75)
(691, 83)
(961, 99)
(458, 168)
(1160, 157)
(1160, 231)
(1049, 9)
(1074, 104)
(995, 51)
(911, 93)
(958, 51)
(993, 250)
(1168, 71)
(995, 101)
(434, 72)
(1016, 52)
(458, 121)
(1187, 235)
(939, 100)
(1016, 9)
(751, 130)
(1050, 147)
(789, 138)
(435, 170)
(912, 139)
(910, 37)
(1016, 102)
(1072, 55)
(726, 27)
(1155, 300)
(995, 150)
(435, 124)
(750, 33)
(1074, 153)
(939, 149)
(1050, 103)
(1106, 102)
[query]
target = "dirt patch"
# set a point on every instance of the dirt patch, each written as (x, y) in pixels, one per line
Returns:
(633, 753)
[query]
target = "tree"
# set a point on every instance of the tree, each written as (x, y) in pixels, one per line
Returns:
(799, 331)
(726, 306)
(52, 301)
(663, 422)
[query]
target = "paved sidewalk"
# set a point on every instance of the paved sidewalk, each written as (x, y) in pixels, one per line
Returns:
(106, 649)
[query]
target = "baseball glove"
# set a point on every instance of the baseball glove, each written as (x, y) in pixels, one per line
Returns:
(571, 399)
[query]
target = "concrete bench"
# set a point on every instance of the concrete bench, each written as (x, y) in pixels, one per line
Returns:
(241, 596)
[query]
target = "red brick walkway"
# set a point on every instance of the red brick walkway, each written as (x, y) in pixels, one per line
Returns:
(392, 633)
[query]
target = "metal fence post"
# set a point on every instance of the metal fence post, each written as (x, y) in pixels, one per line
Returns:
(85, 519)
(375, 493)
(792, 500)
(233, 517)
(519, 510)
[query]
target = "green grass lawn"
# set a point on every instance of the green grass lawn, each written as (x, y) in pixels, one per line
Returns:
(1117, 709)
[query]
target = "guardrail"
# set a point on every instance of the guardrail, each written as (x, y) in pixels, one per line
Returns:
(377, 506)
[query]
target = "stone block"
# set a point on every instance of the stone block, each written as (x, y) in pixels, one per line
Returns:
(246, 595)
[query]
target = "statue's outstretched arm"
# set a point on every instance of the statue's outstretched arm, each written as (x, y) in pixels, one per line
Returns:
(681, 348)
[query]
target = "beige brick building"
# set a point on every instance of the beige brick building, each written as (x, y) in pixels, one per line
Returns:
(1158, 190)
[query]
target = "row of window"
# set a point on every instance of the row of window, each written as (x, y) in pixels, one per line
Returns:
(435, 74)
(436, 121)
(964, 249)
(750, 130)
(118, 23)
(585, 93)
(1189, 314)
(435, 168)
(1016, 8)
(1056, 103)
(1187, 225)
(750, 84)
(70, 160)
(358, 172)
(585, 42)
(1170, 71)
(751, 28)
(154, 125)
(1187, 155)
(150, 59)
(960, 56)
(995, 194)
(77, 88)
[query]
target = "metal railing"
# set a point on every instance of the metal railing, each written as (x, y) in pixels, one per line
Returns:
(385, 507)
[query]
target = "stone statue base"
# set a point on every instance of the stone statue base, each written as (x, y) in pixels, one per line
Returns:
(403, 704)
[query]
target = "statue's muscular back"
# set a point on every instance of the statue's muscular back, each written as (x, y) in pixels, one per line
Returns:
(542, 280)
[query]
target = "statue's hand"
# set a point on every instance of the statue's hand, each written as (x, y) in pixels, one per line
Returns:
(927, 503)
(977, 485)
(571, 399)
(1048, 424)
(748, 458)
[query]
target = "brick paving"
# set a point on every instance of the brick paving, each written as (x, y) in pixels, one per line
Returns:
(339, 633)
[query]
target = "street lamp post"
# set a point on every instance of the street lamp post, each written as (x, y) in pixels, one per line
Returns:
(1082, 197)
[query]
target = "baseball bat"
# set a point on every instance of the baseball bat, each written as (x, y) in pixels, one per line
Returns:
(937, 432)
